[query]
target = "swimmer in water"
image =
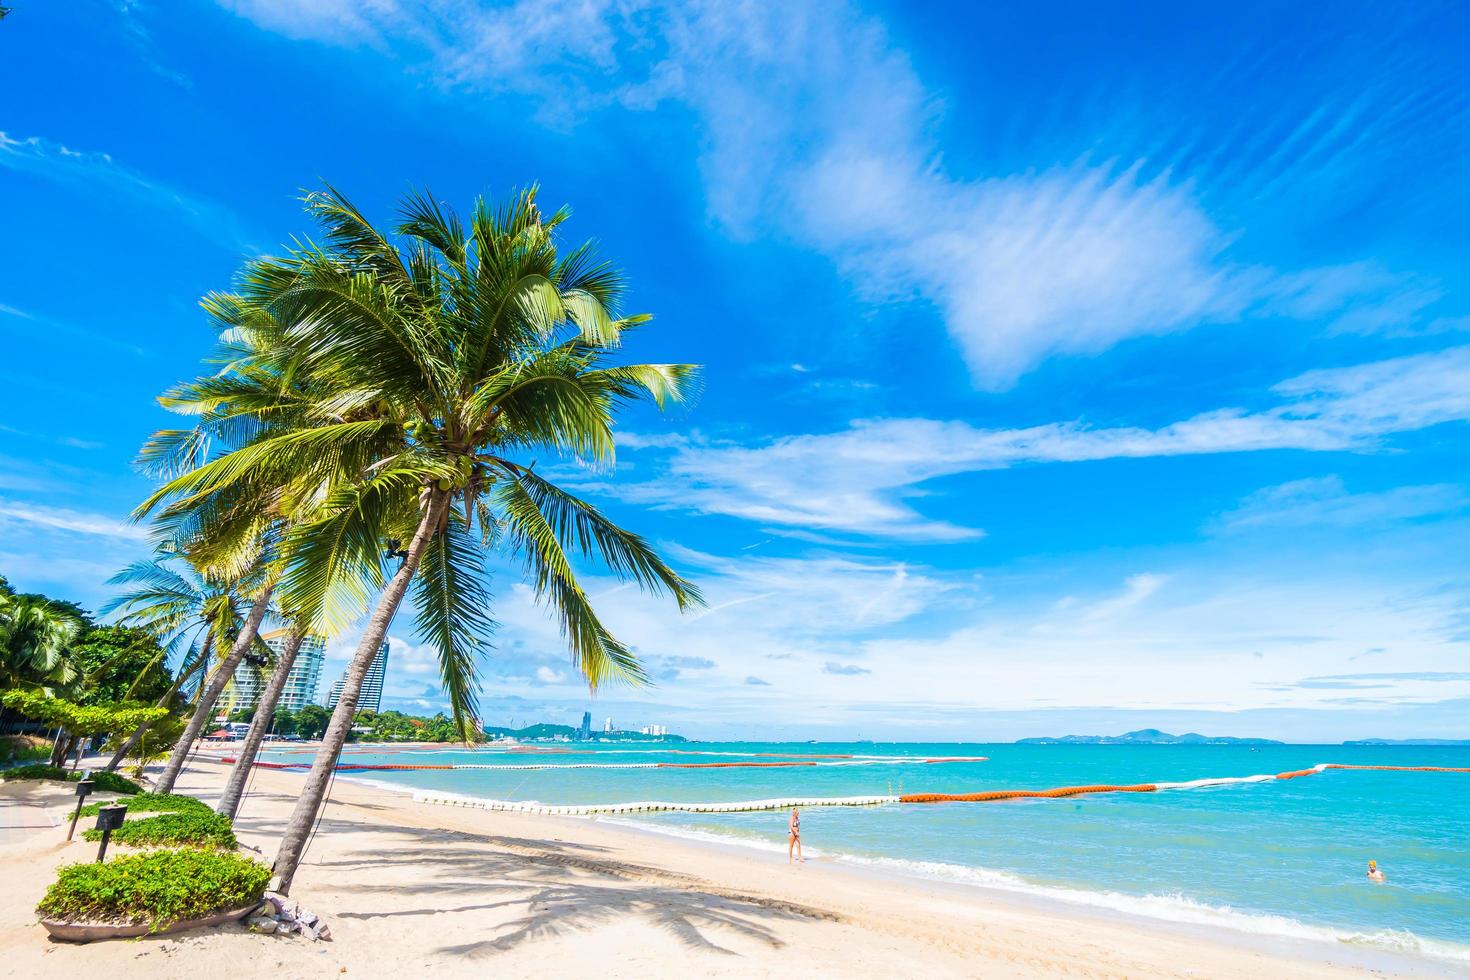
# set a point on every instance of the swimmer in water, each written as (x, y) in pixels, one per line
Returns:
(793, 843)
(1373, 872)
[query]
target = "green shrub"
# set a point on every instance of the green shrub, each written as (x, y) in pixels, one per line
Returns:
(156, 887)
(154, 803)
(38, 771)
(188, 829)
(107, 782)
(111, 782)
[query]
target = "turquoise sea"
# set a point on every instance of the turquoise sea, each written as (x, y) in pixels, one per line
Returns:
(1274, 857)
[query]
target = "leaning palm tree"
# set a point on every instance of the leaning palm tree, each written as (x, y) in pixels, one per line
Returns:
(190, 612)
(438, 362)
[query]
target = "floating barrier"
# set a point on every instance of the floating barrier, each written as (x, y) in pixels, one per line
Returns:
(646, 806)
(990, 796)
(1016, 794)
(652, 806)
(406, 767)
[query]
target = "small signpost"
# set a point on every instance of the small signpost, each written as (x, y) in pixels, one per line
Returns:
(84, 789)
(109, 818)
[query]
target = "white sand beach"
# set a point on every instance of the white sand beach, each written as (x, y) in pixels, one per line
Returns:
(409, 888)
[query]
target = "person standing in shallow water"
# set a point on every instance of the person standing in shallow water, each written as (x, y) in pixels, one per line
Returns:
(793, 842)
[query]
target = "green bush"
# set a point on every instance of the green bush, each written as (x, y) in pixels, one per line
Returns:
(154, 803)
(107, 782)
(156, 887)
(111, 782)
(187, 829)
(38, 771)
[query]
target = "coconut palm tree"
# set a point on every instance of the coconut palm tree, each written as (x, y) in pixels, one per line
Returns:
(189, 611)
(260, 725)
(438, 361)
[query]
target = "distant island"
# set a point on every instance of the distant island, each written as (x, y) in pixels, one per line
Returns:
(1148, 736)
(545, 732)
(1409, 741)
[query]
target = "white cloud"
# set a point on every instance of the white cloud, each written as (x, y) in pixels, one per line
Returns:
(860, 480)
(1325, 501)
(78, 522)
(816, 128)
(101, 173)
(547, 675)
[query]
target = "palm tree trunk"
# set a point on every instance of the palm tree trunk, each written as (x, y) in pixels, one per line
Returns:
(260, 725)
(184, 674)
(211, 692)
(309, 803)
(60, 748)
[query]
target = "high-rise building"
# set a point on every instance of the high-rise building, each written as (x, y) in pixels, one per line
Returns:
(585, 732)
(370, 698)
(607, 727)
(301, 683)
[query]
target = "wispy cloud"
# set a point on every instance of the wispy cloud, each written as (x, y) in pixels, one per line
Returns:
(817, 127)
(99, 173)
(860, 480)
(78, 522)
(1326, 502)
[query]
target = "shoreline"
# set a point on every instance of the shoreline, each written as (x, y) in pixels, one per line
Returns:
(410, 885)
(1257, 931)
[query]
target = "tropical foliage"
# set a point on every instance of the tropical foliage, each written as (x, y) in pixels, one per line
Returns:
(156, 887)
(81, 719)
(177, 828)
(153, 803)
(36, 636)
(383, 397)
(107, 782)
(395, 726)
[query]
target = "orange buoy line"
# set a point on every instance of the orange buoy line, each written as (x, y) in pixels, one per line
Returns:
(1336, 765)
(1297, 772)
(1012, 794)
(729, 765)
(1015, 794)
(403, 767)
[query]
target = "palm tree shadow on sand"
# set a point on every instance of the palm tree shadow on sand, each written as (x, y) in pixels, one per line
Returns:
(532, 873)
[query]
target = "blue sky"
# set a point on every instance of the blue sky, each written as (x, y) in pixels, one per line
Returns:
(1070, 367)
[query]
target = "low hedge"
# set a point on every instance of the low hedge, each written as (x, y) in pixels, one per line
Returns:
(107, 782)
(111, 782)
(189, 828)
(156, 887)
(154, 803)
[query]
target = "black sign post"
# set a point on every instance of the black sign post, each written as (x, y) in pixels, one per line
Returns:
(84, 789)
(109, 818)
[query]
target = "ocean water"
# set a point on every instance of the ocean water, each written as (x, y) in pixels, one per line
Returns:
(1275, 857)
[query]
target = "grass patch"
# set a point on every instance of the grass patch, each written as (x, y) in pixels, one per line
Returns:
(154, 803)
(190, 828)
(156, 887)
(107, 782)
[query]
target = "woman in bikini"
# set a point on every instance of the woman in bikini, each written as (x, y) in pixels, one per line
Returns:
(793, 843)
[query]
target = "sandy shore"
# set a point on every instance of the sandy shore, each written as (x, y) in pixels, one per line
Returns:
(409, 888)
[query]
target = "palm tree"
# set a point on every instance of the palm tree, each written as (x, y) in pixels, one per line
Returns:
(260, 725)
(35, 636)
(436, 363)
(187, 610)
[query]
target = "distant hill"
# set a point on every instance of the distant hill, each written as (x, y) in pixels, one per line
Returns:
(1148, 736)
(546, 731)
(1409, 741)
